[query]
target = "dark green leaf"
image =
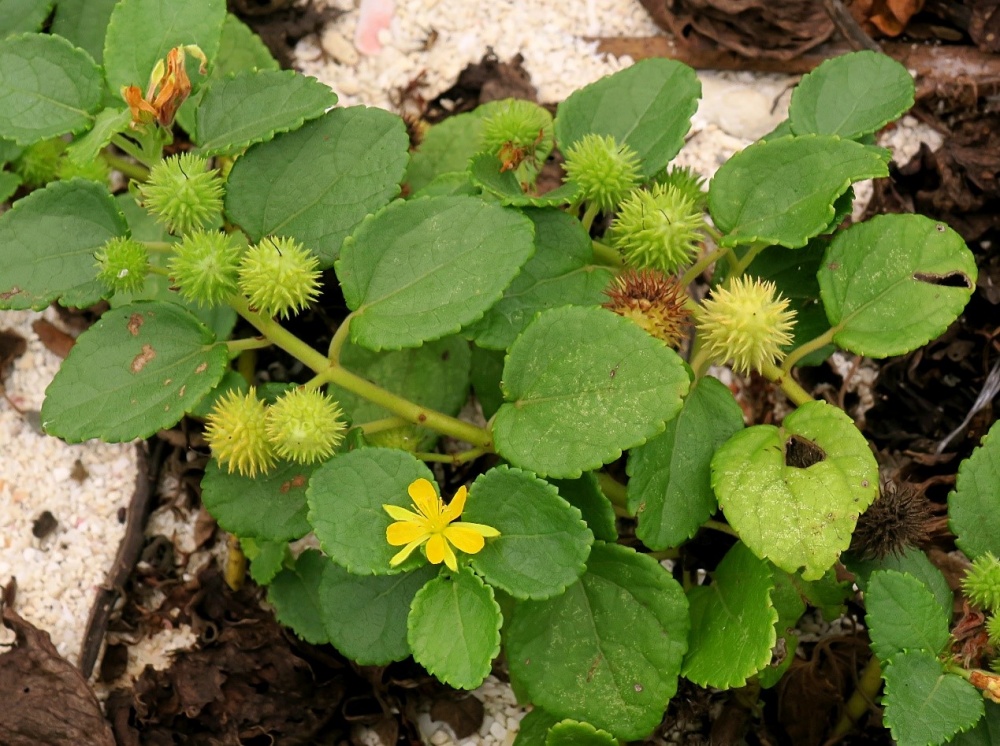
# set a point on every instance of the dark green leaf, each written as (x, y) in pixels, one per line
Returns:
(912, 562)
(973, 505)
(85, 23)
(294, 594)
(903, 615)
(487, 368)
(484, 172)
(783, 191)
(670, 480)
(48, 87)
(49, 241)
(582, 385)
(271, 507)
(787, 601)
(534, 728)
(986, 732)
(423, 269)
(9, 182)
(316, 184)
(107, 124)
(732, 622)
(585, 495)
(647, 106)
(266, 558)
(560, 273)
(894, 282)
(609, 649)
(136, 371)
(17, 16)
(543, 543)
(454, 629)
(447, 147)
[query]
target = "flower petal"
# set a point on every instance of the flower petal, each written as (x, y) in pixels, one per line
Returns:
(464, 538)
(401, 556)
(425, 497)
(456, 506)
(436, 546)
(402, 514)
(449, 557)
(481, 528)
(404, 532)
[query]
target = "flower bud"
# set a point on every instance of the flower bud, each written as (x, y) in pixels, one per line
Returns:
(122, 264)
(205, 267)
(235, 430)
(279, 277)
(183, 193)
(604, 171)
(305, 426)
(659, 228)
(745, 322)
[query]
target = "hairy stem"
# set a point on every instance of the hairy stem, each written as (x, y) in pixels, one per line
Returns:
(720, 526)
(604, 254)
(135, 171)
(861, 700)
(339, 338)
(453, 458)
(748, 258)
(811, 346)
(236, 346)
(789, 385)
(588, 216)
(386, 423)
(615, 491)
(704, 263)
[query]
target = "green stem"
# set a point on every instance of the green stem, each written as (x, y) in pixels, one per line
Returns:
(124, 144)
(162, 247)
(861, 700)
(236, 346)
(614, 490)
(720, 526)
(663, 554)
(604, 254)
(386, 423)
(702, 264)
(751, 254)
(713, 233)
(811, 346)
(455, 459)
(700, 362)
(246, 365)
(789, 385)
(330, 373)
(132, 170)
(588, 216)
(156, 270)
(339, 338)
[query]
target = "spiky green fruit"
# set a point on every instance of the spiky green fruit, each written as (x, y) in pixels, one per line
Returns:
(205, 267)
(183, 193)
(236, 432)
(122, 264)
(659, 228)
(604, 170)
(305, 426)
(279, 277)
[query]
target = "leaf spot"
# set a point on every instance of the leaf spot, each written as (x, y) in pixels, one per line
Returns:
(180, 394)
(637, 686)
(593, 667)
(135, 324)
(801, 453)
(139, 361)
(11, 293)
(168, 382)
(833, 266)
(201, 368)
(950, 280)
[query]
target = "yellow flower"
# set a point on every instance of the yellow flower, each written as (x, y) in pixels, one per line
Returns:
(430, 524)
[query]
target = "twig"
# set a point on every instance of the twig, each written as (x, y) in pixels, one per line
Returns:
(128, 554)
(849, 28)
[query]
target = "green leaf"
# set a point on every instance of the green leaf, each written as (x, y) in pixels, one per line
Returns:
(365, 616)
(231, 382)
(788, 603)
(454, 629)
(912, 562)
(240, 49)
(266, 558)
(294, 594)
(894, 282)
(647, 106)
(609, 649)
(670, 480)
(49, 241)
(9, 182)
(254, 106)
(48, 87)
(141, 32)
(447, 147)
(974, 505)
(534, 727)
(435, 375)
(826, 594)
(582, 385)
(574, 733)
(484, 172)
(422, 269)
(783, 191)
(923, 704)
(732, 622)
(316, 184)
(794, 493)
(903, 615)
(851, 95)
(108, 123)
(136, 371)
(270, 507)
(487, 368)
(84, 23)
(448, 185)
(560, 273)
(543, 543)
(346, 495)
(17, 16)
(986, 732)
(585, 495)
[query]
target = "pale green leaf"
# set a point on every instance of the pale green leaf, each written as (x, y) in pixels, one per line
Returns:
(974, 505)
(609, 649)
(670, 481)
(266, 558)
(574, 733)
(894, 282)
(17, 16)
(48, 87)
(582, 385)
(732, 622)
(9, 182)
(317, 183)
(454, 629)
(136, 371)
(794, 493)
(783, 191)
(422, 269)
(543, 543)
(902, 615)
(107, 124)
(788, 603)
